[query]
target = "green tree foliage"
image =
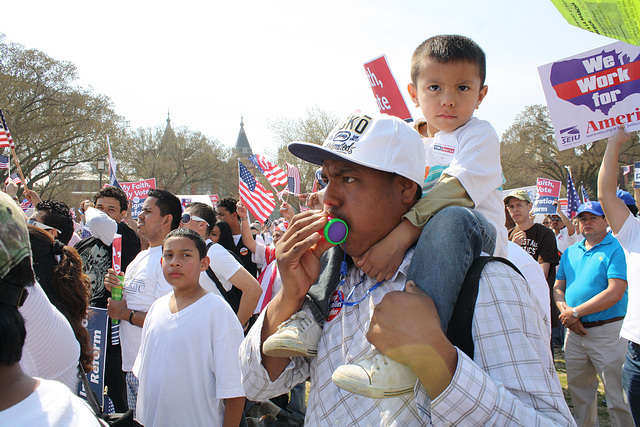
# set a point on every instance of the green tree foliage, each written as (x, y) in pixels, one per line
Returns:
(313, 127)
(529, 151)
(183, 162)
(57, 125)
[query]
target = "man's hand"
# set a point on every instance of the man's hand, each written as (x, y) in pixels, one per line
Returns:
(298, 253)
(619, 138)
(578, 328)
(314, 201)
(241, 211)
(118, 309)
(419, 344)
(566, 316)
(84, 205)
(32, 196)
(111, 279)
(286, 211)
(519, 237)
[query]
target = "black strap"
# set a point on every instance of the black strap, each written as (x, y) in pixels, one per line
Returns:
(459, 329)
(233, 296)
(91, 396)
(11, 294)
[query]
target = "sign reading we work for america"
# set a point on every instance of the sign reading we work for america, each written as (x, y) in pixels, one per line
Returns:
(590, 95)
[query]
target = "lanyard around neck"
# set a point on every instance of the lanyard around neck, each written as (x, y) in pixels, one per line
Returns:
(344, 268)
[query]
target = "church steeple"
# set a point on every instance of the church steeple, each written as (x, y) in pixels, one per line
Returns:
(242, 143)
(169, 138)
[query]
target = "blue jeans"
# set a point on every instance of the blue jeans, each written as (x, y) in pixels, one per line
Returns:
(631, 380)
(449, 243)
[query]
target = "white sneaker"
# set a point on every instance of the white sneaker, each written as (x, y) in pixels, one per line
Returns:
(375, 376)
(295, 337)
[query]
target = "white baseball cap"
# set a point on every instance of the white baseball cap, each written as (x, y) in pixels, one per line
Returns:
(378, 142)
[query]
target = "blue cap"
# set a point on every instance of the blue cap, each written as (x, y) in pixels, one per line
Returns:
(591, 207)
(626, 197)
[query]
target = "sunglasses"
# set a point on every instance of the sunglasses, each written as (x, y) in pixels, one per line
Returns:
(186, 218)
(42, 226)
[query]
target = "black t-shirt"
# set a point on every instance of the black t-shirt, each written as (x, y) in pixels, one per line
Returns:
(97, 259)
(245, 258)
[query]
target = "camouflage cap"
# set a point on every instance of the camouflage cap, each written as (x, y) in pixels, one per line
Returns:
(14, 236)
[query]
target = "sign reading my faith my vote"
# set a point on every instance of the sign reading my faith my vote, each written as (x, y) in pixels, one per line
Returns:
(137, 192)
(385, 89)
(548, 191)
(590, 95)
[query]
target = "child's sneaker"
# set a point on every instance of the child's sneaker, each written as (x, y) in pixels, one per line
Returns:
(295, 337)
(375, 376)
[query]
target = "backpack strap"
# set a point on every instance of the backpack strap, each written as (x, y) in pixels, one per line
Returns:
(459, 329)
(215, 279)
(233, 298)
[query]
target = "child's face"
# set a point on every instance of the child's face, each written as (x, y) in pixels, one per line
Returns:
(181, 263)
(448, 93)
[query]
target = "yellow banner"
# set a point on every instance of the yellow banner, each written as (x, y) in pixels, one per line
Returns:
(618, 19)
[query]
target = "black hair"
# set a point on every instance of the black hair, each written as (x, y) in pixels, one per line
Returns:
(229, 203)
(226, 235)
(12, 328)
(197, 239)
(65, 284)
(115, 192)
(168, 205)
(205, 212)
(633, 209)
(445, 49)
(57, 215)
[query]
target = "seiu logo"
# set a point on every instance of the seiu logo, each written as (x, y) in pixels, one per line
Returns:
(571, 134)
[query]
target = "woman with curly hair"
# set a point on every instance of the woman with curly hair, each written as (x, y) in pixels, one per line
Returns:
(58, 269)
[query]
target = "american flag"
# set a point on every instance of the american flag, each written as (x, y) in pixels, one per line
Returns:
(5, 135)
(585, 196)
(318, 183)
(4, 162)
(112, 168)
(626, 169)
(14, 178)
(293, 177)
(254, 196)
(573, 200)
(25, 205)
(274, 173)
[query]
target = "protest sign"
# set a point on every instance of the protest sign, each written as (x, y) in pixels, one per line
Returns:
(617, 19)
(185, 201)
(137, 193)
(97, 326)
(214, 200)
(548, 191)
(385, 89)
(116, 256)
(636, 175)
(589, 95)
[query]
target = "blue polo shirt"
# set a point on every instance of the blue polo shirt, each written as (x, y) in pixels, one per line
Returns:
(587, 272)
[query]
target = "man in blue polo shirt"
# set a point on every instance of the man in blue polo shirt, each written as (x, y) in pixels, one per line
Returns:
(591, 294)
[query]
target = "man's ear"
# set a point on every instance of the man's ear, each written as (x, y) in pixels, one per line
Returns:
(167, 220)
(408, 190)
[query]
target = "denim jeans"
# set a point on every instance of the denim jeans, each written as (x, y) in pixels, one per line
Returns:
(631, 380)
(449, 243)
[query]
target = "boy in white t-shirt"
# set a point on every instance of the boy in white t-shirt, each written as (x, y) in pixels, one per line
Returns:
(462, 197)
(188, 363)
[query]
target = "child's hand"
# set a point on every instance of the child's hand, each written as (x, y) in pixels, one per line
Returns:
(381, 261)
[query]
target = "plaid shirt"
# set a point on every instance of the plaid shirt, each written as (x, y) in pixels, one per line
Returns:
(512, 380)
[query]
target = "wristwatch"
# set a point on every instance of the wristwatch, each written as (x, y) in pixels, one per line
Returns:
(575, 313)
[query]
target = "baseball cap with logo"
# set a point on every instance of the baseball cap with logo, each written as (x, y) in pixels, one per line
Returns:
(591, 207)
(626, 197)
(14, 247)
(518, 194)
(378, 142)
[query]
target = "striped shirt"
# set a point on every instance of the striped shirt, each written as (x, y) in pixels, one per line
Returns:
(512, 380)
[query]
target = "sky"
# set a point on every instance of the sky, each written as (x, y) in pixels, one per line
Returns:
(209, 63)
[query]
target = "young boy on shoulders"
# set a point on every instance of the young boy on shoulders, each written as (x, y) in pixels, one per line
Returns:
(188, 360)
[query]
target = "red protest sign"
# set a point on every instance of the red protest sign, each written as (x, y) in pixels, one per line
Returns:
(548, 191)
(385, 88)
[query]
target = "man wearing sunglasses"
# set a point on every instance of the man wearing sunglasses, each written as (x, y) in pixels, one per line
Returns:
(200, 217)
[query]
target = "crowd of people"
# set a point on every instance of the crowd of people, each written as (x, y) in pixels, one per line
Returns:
(224, 321)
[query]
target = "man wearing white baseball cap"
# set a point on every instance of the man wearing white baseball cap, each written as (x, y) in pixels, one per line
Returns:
(374, 167)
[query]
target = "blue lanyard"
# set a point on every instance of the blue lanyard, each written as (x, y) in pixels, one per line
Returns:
(343, 274)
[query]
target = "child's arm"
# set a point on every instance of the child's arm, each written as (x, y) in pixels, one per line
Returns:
(382, 260)
(233, 408)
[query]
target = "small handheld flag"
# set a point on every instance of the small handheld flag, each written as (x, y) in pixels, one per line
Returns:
(274, 174)
(254, 196)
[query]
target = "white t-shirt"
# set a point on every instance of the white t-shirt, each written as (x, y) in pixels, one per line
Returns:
(223, 264)
(563, 240)
(629, 238)
(51, 404)
(533, 273)
(471, 154)
(144, 283)
(51, 349)
(188, 362)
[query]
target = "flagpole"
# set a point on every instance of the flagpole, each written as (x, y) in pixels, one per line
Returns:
(17, 162)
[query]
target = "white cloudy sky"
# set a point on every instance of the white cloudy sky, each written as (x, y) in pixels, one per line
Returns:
(209, 62)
